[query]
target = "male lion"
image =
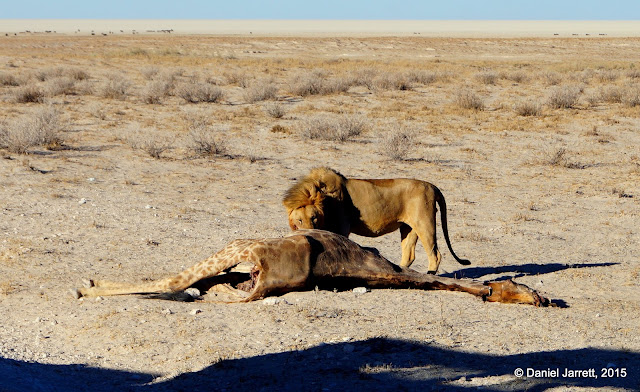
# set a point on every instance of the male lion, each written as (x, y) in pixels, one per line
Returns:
(325, 199)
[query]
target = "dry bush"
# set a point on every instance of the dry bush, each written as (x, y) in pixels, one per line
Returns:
(155, 91)
(7, 79)
(310, 83)
(336, 85)
(631, 96)
(397, 143)
(564, 97)
(116, 87)
(261, 90)
(40, 127)
(58, 72)
(607, 75)
(30, 93)
(195, 92)
(276, 110)
(336, 128)
(611, 94)
(207, 141)
(487, 77)
(364, 77)
(557, 157)
(528, 108)
(63, 85)
(467, 99)
(393, 81)
(422, 77)
(97, 110)
(633, 74)
(147, 140)
(149, 72)
(238, 78)
(551, 78)
(517, 76)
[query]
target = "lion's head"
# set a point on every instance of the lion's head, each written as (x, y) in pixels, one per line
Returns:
(305, 199)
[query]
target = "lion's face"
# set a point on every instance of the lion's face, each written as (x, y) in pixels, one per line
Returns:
(307, 217)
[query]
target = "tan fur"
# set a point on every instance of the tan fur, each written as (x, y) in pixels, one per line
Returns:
(307, 259)
(325, 199)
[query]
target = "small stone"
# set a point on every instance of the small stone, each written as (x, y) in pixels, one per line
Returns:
(193, 292)
(271, 301)
(361, 290)
(91, 179)
(195, 311)
(167, 311)
(82, 201)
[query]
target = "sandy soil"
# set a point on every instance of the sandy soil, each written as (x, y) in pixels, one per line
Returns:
(550, 200)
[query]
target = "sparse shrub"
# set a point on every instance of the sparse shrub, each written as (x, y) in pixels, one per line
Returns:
(517, 76)
(467, 99)
(97, 110)
(261, 90)
(487, 77)
(275, 110)
(633, 74)
(397, 144)
(149, 72)
(30, 93)
(557, 157)
(63, 85)
(611, 94)
(364, 77)
(607, 75)
(154, 91)
(393, 81)
(279, 129)
(631, 96)
(564, 97)
(40, 127)
(528, 108)
(335, 85)
(207, 141)
(336, 128)
(236, 77)
(117, 87)
(7, 79)
(551, 78)
(308, 84)
(422, 77)
(194, 92)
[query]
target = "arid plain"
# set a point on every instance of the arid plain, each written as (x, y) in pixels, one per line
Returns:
(131, 157)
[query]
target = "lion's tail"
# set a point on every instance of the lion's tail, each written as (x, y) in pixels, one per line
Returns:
(443, 217)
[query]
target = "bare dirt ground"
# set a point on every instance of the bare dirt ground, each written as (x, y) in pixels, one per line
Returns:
(538, 191)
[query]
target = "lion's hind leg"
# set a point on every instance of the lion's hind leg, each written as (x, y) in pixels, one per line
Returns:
(409, 239)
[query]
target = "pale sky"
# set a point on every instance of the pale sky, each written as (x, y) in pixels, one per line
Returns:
(323, 9)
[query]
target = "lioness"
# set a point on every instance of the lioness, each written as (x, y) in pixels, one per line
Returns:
(325, 199)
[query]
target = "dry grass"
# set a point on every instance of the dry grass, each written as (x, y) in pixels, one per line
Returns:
(338, 128)
(397, 143)
(42, 126)
(195, 92)
(467, 99)
(528, 108)
(261, 90)
(117, 86)
(275, 110)
(564, 97)
(30, 93)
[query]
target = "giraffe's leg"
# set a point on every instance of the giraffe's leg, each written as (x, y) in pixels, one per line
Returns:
(233, 254)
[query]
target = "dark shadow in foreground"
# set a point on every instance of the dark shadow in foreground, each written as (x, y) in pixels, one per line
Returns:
(377, 364)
